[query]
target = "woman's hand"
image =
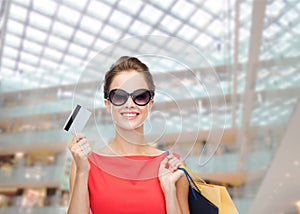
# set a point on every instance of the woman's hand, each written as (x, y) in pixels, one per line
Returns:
(80, 150)
(168, 172)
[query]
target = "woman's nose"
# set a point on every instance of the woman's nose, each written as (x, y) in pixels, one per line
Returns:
(129, 103)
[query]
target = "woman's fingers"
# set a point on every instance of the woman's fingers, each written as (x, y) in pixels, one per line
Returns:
(80, 149)
(168, 170)
(79, 146)
(75, 139)
(173, 163)
(85, 146)
(163, 168)
(177, 174)
(170, 164)
(78, 137)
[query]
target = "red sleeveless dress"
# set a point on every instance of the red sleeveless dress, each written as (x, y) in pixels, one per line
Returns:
(125, 184)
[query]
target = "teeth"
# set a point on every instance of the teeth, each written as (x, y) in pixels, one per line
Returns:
(129, 114)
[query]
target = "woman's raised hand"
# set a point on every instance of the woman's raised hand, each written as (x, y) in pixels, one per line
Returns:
(168, 172)
(80, 149)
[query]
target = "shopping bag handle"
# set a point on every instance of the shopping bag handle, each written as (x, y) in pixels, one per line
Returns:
(193, 175)
(191, 182)
(187, 170)
(190, 178)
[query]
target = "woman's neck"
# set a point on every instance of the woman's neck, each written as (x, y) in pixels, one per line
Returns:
(129, 142)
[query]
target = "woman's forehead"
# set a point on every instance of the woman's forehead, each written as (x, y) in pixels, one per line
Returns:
(129, 81)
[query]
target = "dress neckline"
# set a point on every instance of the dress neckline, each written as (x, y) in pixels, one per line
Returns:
(130, 156)
(132, 167)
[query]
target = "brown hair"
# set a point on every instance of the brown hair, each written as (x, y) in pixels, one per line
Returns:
(126, 63)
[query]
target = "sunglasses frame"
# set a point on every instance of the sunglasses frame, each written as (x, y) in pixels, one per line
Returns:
(132, 95)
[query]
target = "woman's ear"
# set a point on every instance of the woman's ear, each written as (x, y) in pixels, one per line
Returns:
(151, 103)
(107, 105)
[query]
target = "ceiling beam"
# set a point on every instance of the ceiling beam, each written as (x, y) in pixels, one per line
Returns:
(4, 11)
(269, 95)
(258, 16)
(236, 62)
(291, 61)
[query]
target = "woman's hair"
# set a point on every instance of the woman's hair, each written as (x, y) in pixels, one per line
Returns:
(125, 64)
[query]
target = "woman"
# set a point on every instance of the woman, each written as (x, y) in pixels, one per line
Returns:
(128, 175)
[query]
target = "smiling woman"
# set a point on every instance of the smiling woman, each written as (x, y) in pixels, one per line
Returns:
(122, 113)
(128, 175)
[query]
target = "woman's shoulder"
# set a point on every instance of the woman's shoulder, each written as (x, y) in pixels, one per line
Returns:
(154, 151)
(106, 151)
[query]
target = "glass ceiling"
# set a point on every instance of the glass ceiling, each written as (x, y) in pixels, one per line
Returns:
(52, 43)
(48, 43)
(45, 40)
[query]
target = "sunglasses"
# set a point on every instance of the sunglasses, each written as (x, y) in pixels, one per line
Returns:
(140, 97)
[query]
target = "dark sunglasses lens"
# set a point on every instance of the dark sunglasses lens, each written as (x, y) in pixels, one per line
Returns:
(118, 97)
(141, 97)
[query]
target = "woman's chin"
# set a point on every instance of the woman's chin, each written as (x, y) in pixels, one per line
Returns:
(130, 126)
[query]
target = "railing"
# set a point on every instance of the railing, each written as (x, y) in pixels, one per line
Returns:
(241, 204)
(37, 109)
(65, 105)
(32, 138)
(154, 130)
(255, 160)
(36, 139)
(33, 210)
(31, 175)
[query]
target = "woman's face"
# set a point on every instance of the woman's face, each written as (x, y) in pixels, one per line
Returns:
(129, 116)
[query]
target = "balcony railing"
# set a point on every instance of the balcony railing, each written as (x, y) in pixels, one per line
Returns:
(33, 176)
(255, 160)
(33, 210)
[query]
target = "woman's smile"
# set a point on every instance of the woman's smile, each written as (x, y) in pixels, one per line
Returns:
(130, 115)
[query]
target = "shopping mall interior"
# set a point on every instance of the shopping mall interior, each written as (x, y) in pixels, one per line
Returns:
(227, 92)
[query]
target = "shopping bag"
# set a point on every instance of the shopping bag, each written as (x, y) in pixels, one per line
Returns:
(221, 199)
(199, 204)
(216, 194)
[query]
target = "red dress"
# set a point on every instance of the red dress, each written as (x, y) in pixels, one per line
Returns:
(125, 184)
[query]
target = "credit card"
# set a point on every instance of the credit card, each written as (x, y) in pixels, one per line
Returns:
(77, 120)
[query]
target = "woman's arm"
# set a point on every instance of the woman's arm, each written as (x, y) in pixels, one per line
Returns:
(182, 191)
(174, 185)
(79, 194)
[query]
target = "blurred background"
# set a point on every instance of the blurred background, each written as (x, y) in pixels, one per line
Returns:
(54, 54)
